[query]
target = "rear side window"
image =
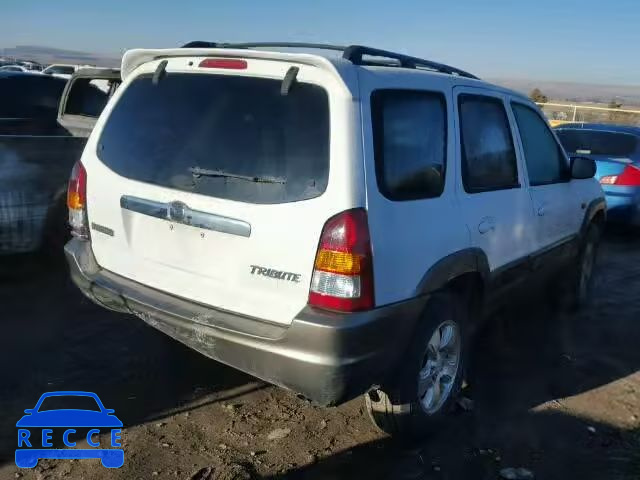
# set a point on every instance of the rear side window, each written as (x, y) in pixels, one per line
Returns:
(230, 137)
(545, 162)
(488, 156)
(594, 142)
(410, 138)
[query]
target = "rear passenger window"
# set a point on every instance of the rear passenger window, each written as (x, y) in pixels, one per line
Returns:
(410, 138)
(488, 155)
(545, 162)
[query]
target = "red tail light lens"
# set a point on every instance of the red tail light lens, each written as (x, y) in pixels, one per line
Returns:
(228, 63)
(77, 201)
(630, 177)
(343, 272)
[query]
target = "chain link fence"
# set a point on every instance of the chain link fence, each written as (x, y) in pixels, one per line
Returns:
(559, 113)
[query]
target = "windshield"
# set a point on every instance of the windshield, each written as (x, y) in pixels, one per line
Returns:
(69, 402)
(594, 142)
(172, 134)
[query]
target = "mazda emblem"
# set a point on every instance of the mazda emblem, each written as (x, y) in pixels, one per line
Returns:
(177, 211)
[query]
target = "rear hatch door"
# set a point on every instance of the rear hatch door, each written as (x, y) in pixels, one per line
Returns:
(84, 98)
(212, 184)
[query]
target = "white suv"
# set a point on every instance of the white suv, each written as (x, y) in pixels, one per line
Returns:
(331, 224)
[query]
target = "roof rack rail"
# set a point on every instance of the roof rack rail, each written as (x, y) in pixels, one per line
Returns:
(351, 53)
(319, 46)
(355, 54)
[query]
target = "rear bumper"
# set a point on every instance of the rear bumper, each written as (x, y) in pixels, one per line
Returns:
(23, 217)
(623, 205)
(327, 357)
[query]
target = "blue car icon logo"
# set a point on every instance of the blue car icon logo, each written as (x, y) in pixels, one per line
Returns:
(36, 430)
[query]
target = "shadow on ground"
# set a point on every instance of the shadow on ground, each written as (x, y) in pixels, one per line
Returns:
(528, 368)
(55, 339)
(532, 357)
(552, 446)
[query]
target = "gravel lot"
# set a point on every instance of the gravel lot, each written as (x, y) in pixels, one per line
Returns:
(556, 394)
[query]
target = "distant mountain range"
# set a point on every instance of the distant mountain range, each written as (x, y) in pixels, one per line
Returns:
(48, 55)
(628, 95)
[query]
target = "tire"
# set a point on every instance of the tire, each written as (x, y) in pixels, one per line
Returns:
(409, 407)
(576, 290)
(56, 233)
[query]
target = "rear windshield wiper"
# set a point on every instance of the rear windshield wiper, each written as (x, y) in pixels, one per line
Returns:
(205, 172)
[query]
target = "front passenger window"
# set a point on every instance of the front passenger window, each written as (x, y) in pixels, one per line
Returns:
(545, 162)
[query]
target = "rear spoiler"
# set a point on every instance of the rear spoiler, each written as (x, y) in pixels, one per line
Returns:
(132, 59)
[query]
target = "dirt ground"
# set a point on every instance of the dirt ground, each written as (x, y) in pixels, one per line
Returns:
(558, 395)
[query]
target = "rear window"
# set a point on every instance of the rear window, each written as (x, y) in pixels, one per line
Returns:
(593, 142)
(89, 96)
(230, 137)
(30, 96)
(61, 69)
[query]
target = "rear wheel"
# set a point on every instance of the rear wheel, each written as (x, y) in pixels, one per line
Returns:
(430, 376)
(576, 291)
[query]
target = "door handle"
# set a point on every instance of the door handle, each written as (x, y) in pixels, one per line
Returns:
(486, 225)
(542, 211)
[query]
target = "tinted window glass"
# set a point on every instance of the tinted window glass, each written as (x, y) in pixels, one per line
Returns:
(409, 129)
(200, 132)
(61, 69)
(488, 155)
(545, 161)
(594, 142)
(30, 95)
(88, 97)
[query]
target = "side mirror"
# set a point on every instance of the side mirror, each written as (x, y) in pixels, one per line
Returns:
(582, 168)
(29, 411)
(109, 411)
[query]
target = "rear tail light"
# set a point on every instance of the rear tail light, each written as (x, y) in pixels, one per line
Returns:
(228, 63)
(77, 201)
(343, 272)
(630, 177)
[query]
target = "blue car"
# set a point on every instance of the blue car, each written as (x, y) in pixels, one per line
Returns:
(96, 417)
(616, 151)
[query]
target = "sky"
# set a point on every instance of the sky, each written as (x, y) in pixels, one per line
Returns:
(591, 41)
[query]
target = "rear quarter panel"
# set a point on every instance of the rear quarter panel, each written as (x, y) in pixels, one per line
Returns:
(409, 237)
(34, 170)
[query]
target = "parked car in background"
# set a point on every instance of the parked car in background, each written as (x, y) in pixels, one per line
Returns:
(44, 122)
(616, 150)
(62, 70)
(29, 65)
(13, 68)
(333, 225)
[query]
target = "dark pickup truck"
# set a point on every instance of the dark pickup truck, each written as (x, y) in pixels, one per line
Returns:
(44, 124)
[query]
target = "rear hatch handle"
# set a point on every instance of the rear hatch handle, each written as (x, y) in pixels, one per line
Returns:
(179, 212)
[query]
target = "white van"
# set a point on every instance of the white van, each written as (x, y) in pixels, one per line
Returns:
(333, 222)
